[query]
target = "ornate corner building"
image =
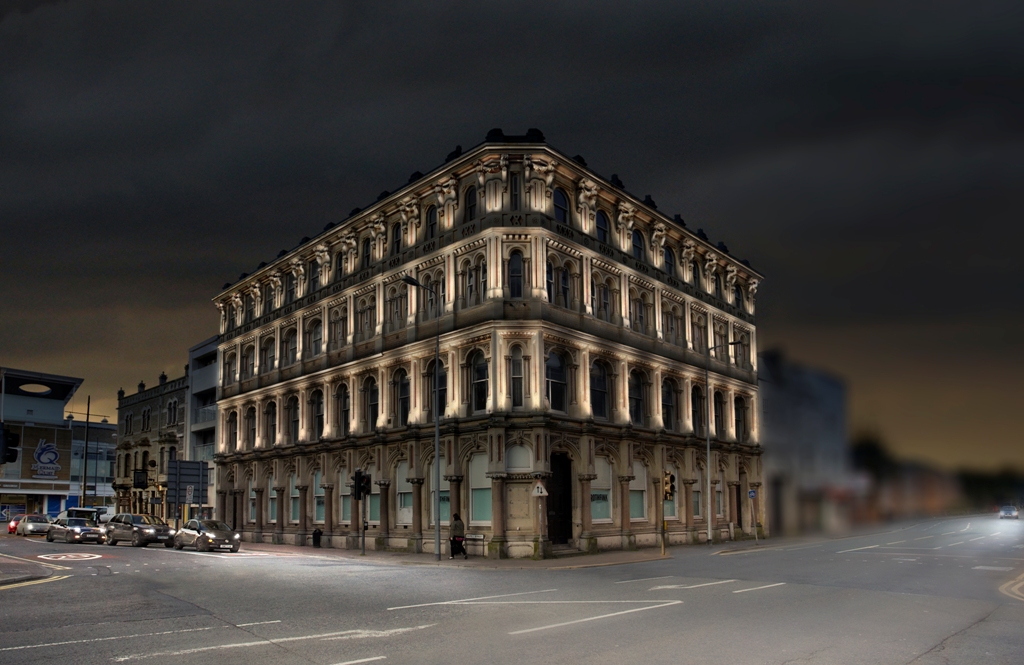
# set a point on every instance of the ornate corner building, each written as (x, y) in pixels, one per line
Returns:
(573, 321)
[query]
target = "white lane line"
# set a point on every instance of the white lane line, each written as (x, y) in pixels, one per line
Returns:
(997, 533)
(896, 542)
(924, 538)
(692, 586)
(645, 579)
(257, 623)
(974, 539)
(362, 634)
(949, 533)
(857, 549)
(466, 600)
(603, 616)
(966, 527)
(766, 586)
(562, 602)
(954, 544)
(105, 639)
(362, 660)
(1002, 569)
(242, 645)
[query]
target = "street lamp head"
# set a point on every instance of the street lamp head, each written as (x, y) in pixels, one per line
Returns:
(412, 281)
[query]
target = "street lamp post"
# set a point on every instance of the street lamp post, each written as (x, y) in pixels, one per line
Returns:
(707, 423)
(412, 281)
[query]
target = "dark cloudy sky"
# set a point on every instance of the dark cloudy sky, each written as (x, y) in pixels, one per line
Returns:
(867, 158)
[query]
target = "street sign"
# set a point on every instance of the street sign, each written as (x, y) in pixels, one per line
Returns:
(538, 490)
(751, 494)
(180, 475)
(189, 493)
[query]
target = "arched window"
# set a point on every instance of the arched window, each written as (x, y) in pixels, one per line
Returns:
(699, 332)
(248, 362)
(232, 436)
(695, 274)
(431, 223)
(292, 413)
(601, 224)
(718, 286)
(719, 406)
(670, 262)
(372, 394)
(271, 423)
(470, 204)
(479, 382)
(172, 454)
(742, 422)
(515, 275)
(396, 239)
(636, 398)
(314, 275)
(250, 428)
(697, 409)
(561, 206)
(250, 308)
(289, 287)
(438, 391)
(564, 286)
(721, 339)
(268, 299)
(343, 407)
(636, 314)
(268, 355)
(290, 347)
(742, 351)
(516, 374)
(599, 390)
(316, 338)
(639, 249)
(145, 453)
(551, 282)
(668, 405)
(229, 368)
(367, 253)
(339, 262)
(554, 374)
(402, 388)
(737, 297)
(316, 402)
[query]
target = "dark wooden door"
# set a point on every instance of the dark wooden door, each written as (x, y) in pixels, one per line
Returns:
(560, 499)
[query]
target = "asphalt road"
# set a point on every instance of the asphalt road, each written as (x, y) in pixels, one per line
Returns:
(938, 591)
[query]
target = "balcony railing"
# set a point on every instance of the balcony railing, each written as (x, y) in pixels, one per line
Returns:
(204, 414)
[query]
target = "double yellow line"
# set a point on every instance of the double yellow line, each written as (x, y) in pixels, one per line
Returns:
(51, 566)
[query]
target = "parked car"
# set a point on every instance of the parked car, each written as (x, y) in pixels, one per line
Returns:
(74, 530)
(207, 535)
(13, 524)
(139, 530)
(1008, 512)
(31, 525)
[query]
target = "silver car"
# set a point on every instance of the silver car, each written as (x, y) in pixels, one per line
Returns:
(1008, 513)
(33, 525)
(74, 530)
(207, 535)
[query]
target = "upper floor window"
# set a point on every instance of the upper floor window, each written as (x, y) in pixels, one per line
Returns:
(636, 398)
(270, 415)
(695, 274)
(250, 308)
(479, 382)
(344, 407)
(639, 249)
(602, 226)
(513, 196)
(339, 262)
(599, 390)
(516, 375)
(515, 275)
(248, 362)
(314, 275)
(670, 262)
(554, 374)
(289, 347)
(470, 204)
(718, 285)
(402, 390)
(561, 206)
(551, 282)
(719, 407)
(268, 298)
(316, 402)
(372, 394)
(438, 390)
(293, 419)
(367, 253)
(232, 433)
(316, 338)
(697, 408)
(737, 296)
(396, 239)
(742, 421)
(668, 404)
(267, 356)
(289, 288)
(699, 332)
(229, 368)
(250, 428)
(431, 222)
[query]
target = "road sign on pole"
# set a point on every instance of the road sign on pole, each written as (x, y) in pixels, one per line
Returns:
(189, 494)
(751, 494)
(538, 490)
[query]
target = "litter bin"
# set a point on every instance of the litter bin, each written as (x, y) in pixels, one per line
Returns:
(316, 537)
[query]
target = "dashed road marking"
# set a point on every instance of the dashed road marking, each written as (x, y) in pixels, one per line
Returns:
(857, 549)
(602, 616)
(692, 586)
(757, 588)
(645, 579)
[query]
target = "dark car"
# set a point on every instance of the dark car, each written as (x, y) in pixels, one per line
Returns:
(12, 526)
(207, 535)
(1008, 512)
(74, 530)
(139, 530)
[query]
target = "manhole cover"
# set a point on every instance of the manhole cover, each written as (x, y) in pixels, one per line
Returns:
(70, 556)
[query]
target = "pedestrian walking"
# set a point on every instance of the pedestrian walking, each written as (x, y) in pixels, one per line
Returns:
(457, 538)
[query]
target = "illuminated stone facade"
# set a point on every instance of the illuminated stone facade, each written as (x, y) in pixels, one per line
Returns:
(573, 324)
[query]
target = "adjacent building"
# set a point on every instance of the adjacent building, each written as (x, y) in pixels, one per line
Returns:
(99, 474)
(204, 378)
(574, 320)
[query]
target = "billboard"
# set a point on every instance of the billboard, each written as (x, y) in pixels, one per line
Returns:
(45, 454)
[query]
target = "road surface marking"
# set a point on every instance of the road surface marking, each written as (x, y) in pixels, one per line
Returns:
(264, 642)
(1013, 588)
(956, 543)
(645, 579)
(257, 623)
(362, 634)
(766, 586)
(32, 582)
(896, 542)
(362, 660)
(924, 537)
(692, 586)
(466, 600)
(966, 527)
(857, 549)
(38, 563)
(603, 616)
(1002, 569)
(949, 533)
(974, 539)
(997, 533)
(105, 639)
(70, 556)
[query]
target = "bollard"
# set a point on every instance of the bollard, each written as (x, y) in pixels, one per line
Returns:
(317, 533)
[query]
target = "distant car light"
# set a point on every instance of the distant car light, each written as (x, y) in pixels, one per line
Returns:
(237, 536)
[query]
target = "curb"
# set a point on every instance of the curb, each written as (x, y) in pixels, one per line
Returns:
(7, 581)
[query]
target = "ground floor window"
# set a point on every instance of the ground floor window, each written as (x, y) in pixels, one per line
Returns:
(403, 495)
(293, 493)
(601, 492)
(318, 497)
(252, 502)
(638, 492)
(446, 504)
(346, 501)
(271, 501)
(480, 490)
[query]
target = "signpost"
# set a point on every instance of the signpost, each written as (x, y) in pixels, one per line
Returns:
(753, 517)
(187, 483)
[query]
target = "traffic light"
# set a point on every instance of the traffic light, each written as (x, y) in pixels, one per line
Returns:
(366, 489)
(669, 486)
(9, 441)
(357, 485)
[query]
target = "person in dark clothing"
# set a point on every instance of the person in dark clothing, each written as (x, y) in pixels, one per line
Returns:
(456, 538)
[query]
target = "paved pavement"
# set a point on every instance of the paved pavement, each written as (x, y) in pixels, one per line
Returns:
(935, 591)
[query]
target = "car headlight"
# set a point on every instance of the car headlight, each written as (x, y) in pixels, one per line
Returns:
(170, 532)
(77, 530)
(237, 536)
(150, 530)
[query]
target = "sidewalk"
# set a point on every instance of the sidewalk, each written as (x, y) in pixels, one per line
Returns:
(13, 570)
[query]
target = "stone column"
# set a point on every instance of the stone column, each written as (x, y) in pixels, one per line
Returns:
(282, 511)
(496, 548)
(356, 524)
(628, 539)
(238, 513)
(417, 513)
(328, 513)
(454, 495)
(222, 507)
(300, 539)
(383, 531)
(257, 535)
(587, 541)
